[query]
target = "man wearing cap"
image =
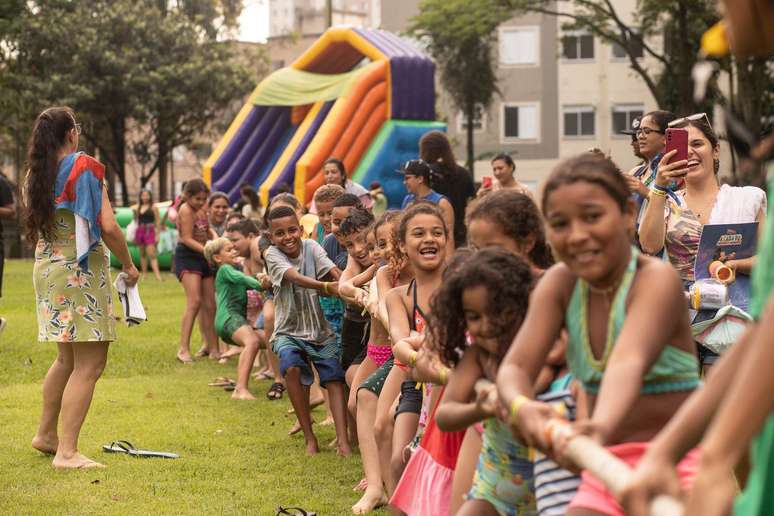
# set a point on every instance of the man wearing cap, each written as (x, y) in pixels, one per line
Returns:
(635, 145)
(416, 178)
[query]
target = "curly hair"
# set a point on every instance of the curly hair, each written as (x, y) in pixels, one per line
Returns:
(49, 135)
(328, 193)
(507, 280)
(357, 220)
(518, 218)
(395, 259)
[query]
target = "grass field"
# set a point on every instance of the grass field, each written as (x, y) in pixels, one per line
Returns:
(236, 457)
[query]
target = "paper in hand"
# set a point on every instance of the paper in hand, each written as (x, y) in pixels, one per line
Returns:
(132, 309)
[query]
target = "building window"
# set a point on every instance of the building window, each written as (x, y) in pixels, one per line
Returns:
(579, 121)
(623, 114)
(577, 45)
(479, 121)
(635, 46)
(519, 45)
(520, 122)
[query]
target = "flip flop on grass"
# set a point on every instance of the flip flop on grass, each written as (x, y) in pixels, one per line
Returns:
(297, 511)
(129, 449)
(221, 381)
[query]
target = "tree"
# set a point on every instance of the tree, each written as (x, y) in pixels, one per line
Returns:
(678, 23)
(459, 35)
(118, 62)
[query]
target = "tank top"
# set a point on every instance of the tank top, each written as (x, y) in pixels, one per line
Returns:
(418, 321)
(674, 370)
(145, 217)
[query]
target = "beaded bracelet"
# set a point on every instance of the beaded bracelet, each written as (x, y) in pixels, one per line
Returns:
(657, 193)
(659, 188)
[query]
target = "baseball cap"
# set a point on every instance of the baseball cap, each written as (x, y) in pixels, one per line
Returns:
(635, 126)
(415, 167)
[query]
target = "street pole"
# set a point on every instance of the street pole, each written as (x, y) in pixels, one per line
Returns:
(329, 13)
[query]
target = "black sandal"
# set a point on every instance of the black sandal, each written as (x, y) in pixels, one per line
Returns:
(275, 391)
(297, 511)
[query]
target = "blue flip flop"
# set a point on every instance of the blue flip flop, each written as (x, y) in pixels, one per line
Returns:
(129, 449)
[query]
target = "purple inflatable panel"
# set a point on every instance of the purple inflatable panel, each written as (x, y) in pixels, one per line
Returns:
(289, 172)
(237, 142)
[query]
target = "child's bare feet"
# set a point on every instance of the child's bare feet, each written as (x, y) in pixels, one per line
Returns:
(361, 486)
(45, 443)
(343, 450)
(371, 500)
(296, 428)
(214, 355)
(184, 357)
(231, 352)
(311, 446)
(76, 461)
(328, 421)
(312, 405)
(242, 394)
(334, 443)
(203, 352)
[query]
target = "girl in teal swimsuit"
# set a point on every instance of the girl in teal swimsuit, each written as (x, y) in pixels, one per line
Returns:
(629, 344)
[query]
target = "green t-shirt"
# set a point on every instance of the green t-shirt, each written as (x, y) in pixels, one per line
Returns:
(758, 496)
(231, 288)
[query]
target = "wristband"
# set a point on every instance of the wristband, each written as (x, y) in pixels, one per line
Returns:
(325, 287)
(516, 405)
(413, 359)
(658, 188)
(657, 193)
(443, 375)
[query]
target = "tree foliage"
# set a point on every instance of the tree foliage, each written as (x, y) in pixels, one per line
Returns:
(459, 35)
(154, 65)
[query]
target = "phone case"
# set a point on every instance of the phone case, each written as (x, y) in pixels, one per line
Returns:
(677, 139)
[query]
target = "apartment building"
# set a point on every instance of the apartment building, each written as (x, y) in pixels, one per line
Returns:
(562, 92)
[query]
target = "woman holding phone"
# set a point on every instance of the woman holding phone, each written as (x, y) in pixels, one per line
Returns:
(503, 169)
(674, 220)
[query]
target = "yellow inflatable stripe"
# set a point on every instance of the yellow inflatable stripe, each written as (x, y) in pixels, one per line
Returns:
(232, 129)
(336, 36)
(288, 152)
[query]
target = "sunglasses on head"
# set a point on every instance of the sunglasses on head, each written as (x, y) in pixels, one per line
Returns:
(682, 122)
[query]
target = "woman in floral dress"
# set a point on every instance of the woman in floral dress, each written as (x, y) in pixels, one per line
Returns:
(69, 224)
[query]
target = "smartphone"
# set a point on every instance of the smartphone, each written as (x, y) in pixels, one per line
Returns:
(486, 181)
(677, 139)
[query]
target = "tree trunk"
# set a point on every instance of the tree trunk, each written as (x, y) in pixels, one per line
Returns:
(163, 169)
(470, 113)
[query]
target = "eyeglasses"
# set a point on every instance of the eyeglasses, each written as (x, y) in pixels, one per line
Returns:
(682, 122)
(646, 131)
(77, 128)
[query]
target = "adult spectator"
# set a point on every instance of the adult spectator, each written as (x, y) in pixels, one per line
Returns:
(503, 170)
(635, 143)
(675, 219)
(71, 276)
(7, 212)
(651, 140)
(380, 200)
(417, 178)
(449, 179)
(335, 174)
(218, 212)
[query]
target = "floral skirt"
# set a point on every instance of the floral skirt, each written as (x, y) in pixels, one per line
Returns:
(73, 305)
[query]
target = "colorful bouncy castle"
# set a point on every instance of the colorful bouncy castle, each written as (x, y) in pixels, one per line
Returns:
(364, 96)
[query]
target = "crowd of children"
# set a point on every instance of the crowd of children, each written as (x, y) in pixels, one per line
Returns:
(442, 361)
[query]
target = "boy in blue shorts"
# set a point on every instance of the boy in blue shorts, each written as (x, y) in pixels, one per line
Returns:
(299, 271)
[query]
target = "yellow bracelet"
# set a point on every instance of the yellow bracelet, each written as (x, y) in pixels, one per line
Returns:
(656, 192)
(516, 405)
(443, 375)
(413, 359)
(325, 287)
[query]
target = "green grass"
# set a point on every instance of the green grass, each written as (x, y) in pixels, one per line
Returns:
(236, 457)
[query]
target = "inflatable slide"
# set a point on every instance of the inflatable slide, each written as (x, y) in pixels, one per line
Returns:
(364, 96)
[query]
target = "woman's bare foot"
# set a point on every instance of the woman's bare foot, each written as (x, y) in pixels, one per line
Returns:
(370, 501)
(311, 446)
(77, 461)
(242, 394)
(361, 486)
(45, 443)
(184, 357)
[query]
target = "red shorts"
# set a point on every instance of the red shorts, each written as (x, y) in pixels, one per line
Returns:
(592, 494)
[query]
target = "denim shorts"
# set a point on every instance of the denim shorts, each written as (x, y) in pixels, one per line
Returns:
(293, 355)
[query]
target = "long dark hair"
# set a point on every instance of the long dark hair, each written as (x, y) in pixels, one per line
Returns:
(508, 281)
(249, 192)
(49, 134)
(434, 147)
(340, 165)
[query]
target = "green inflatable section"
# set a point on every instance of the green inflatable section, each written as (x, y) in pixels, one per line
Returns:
(124, 216)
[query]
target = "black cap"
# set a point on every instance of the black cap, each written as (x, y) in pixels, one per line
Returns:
(635, 126)
(415, 167)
